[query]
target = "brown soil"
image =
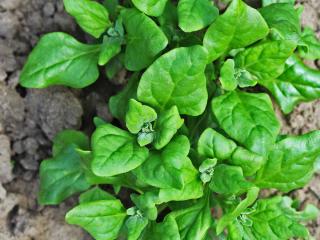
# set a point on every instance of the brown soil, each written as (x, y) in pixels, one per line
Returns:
(29, 119)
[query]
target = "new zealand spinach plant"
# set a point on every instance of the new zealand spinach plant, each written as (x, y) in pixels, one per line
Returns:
(196, 140)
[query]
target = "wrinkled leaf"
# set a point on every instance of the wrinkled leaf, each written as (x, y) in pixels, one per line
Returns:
(266, 60)
(64, 61)
(145, 40)
(229, 217)
(234, 29)
(248, 118)
(283, 19)
(212, 144)
(91, 16)
(229, 180)
(176, 78)
(291, 164)
(195, 15)
(297, 84)
(310, 48)
(194, 221)
(115, 151)
(272, 219)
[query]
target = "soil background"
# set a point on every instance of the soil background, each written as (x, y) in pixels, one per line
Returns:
(29, 119)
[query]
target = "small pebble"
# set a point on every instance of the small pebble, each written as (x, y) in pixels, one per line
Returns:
(48, 9)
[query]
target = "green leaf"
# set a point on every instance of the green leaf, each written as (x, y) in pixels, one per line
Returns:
(67, 137)
(229, 217)
(214, 145)
(229, 180)
(115, 66)
(166, 230)
(145, 40)
(111, 6)
(138, 115)
(169, 16)
(127, 180)
(297, 84)
(92, 178)
(291, 164)
(102, 219)
(151, 7)
(274, 219)
(310, 48)
(169, 22)
(248, 118)
(270, 53)
(245, 78)
(98, 121)
(283, 19)
(139, 120)
(194, 221)
(206, 169)
(180, 81)
(115, 151)
(61, 176)
(146, 203)
(64, 61)
(92, 17)
(247, 160)
(134, 226)
(167, 125)
(269, 2)
(146, 136)
(227, 76)
(310, 212)
(95, 194)
(195, 15)
(118, 104)
(111, 47)
(164, 169)
(234, 29)
(193, 187)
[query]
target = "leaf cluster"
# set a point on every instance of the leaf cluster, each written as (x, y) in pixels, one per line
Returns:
(196, 142)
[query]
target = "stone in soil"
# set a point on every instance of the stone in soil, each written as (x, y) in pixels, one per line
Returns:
(5, 160)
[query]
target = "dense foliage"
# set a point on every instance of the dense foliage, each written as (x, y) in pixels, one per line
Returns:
(196, 143)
